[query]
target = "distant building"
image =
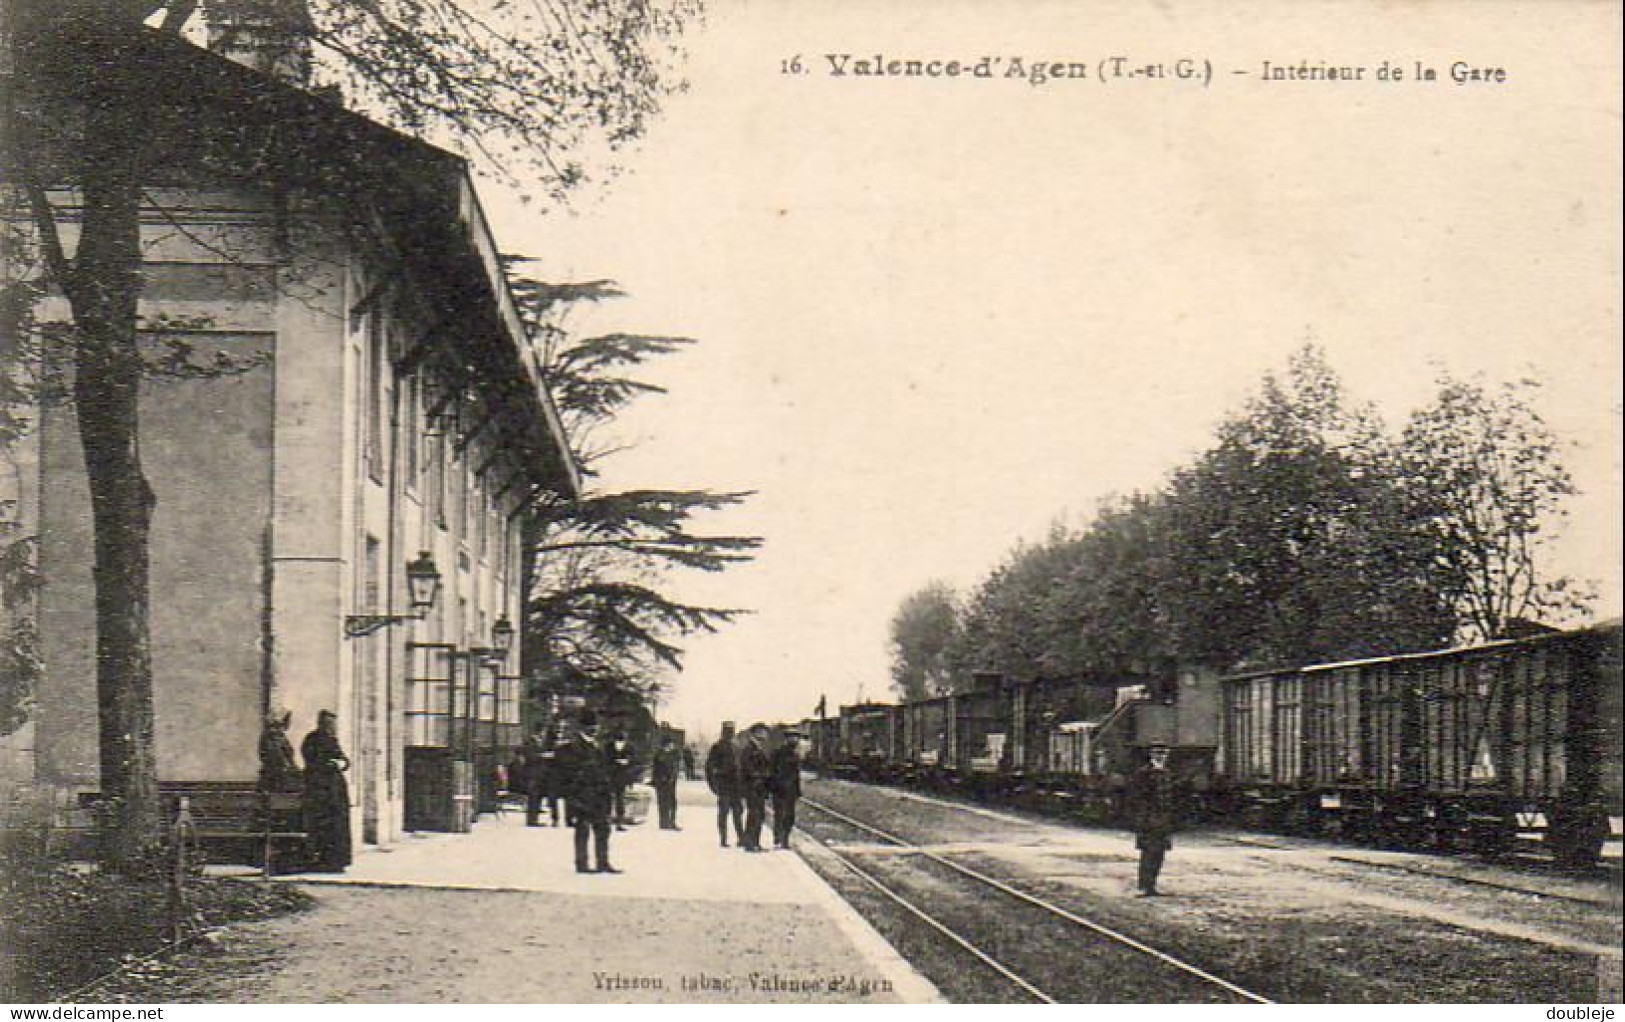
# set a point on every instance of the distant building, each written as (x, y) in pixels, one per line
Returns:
(379, 402)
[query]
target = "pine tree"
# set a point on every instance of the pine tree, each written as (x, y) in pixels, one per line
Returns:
(599, 617)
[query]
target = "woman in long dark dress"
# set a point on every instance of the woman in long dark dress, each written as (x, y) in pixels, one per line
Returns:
(327, 796)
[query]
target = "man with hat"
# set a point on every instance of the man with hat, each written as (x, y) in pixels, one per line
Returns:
(663, 772)
(754, 771)
(784, 780)
(586, 767)
(722, 775)
(1154, 814)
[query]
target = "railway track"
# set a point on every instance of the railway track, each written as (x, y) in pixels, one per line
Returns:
(1533, 867)
(1458, 878)
(1009, 971)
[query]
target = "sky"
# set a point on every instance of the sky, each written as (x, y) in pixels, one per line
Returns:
(937, 315)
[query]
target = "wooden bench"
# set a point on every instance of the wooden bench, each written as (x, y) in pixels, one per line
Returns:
(227, 815)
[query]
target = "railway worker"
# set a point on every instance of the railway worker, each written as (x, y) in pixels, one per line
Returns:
(620, 778)
(1154, 813)
(585, 764)
(722, 776)
(755, 768)
(526, 777)
(663, 775)
(785, 782)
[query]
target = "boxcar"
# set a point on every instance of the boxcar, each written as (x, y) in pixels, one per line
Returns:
(1464, 747)
(982, 720)
(820, 735)
(867, 739)
(927, 733)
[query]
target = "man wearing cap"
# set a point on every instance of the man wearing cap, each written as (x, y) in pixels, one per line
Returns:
(663, 775)
(784, 779)
(1154, 814)
(585, 764)
(754, 770)
(722, 775)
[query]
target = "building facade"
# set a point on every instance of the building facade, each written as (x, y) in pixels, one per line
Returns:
(339, 388)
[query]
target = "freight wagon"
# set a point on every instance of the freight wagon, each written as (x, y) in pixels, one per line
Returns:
(927, 748)
(869, 735)
(1476, 747)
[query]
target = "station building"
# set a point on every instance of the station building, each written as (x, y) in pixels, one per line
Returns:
(340, 391)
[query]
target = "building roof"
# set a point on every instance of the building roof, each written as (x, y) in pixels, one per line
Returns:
(422, 195)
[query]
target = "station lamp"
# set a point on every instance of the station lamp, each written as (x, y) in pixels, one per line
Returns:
(422, 588)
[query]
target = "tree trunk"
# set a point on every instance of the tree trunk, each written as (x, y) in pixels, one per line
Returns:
(103, 293)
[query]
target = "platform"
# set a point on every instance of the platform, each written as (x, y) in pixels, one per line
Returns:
(687, 921)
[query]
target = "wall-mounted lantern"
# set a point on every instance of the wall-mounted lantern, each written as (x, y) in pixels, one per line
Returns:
(422, 588)
(502, 636)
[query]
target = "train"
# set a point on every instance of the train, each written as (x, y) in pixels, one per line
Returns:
(1491, 747)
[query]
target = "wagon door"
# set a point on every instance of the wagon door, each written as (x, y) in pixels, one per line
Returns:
(1286, 730)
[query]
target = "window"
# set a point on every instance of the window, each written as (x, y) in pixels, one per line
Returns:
(370, 595)
(435, 455)
(482, 518)
(411, 438)
(373, 426)
(465, 495)
(428, 695)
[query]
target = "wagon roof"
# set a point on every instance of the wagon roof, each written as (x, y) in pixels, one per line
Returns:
(1611, 624)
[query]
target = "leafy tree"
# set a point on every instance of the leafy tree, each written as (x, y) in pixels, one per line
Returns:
(1305, 533)
(1289, 541)
(19, 391)
(1003, 626)
(1079, 603)
(597, 618)
(1486, 481)
(923, 632)
(1105, 614)
(88, 108)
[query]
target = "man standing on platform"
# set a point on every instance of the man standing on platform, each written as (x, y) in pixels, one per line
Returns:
(785, 783)
(1154, 814)
(722, 775)
(586, 766)
(754, 770)
(620, 778)
(529, 777)
(663, 775)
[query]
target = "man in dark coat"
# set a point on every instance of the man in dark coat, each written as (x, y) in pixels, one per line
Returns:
(754, 769)
(688, 763)
(620, 778)
(784, 779)
(663, 774)
(722, 775)
(540, 781)
(327, 796)
(586, 768)
(1154, 814)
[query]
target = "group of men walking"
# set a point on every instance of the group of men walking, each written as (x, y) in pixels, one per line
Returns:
(744, 773)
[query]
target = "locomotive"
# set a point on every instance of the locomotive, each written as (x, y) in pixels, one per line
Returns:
(1470, 748)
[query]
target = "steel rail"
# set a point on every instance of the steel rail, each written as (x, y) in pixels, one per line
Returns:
(933, 922)
(1072, 917)
(1472, 881)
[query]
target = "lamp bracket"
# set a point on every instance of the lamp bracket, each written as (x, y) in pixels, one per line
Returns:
(358, 625)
